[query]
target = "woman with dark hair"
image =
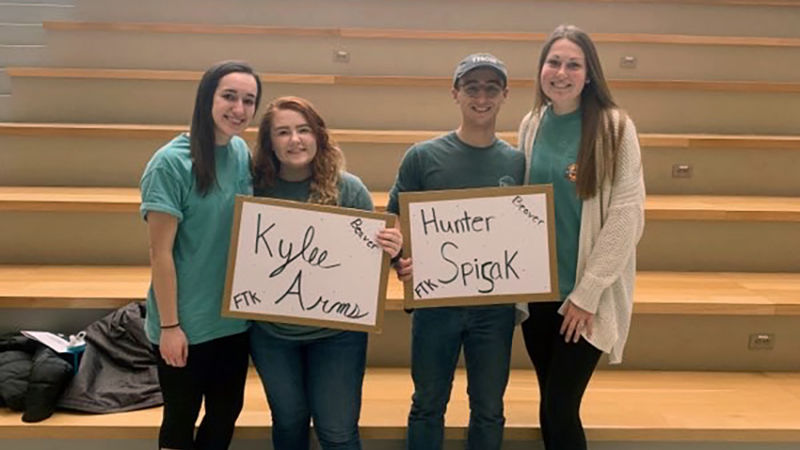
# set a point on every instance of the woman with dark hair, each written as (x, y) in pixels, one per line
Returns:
(188, 191)
(309, 371)
(579, 140)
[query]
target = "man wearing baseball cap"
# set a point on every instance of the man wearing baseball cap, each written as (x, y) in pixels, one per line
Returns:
(471, 156)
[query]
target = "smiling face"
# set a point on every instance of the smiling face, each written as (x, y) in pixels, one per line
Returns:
(294, 144)
(563, 76)
(480, 93)
(234, 105)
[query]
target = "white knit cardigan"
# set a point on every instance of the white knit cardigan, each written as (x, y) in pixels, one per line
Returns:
(611, 225)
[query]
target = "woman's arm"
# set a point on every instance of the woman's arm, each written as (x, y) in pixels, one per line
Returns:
(161, 228)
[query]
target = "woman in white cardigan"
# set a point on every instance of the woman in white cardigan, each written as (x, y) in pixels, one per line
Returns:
(576, 138)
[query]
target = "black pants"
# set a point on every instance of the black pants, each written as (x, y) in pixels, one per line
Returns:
(216, 370)
(563, 370)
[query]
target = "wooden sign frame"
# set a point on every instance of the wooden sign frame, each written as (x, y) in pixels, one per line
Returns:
(380, 303)
(407, 198)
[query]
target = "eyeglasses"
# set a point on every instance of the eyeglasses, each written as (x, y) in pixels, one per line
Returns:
(474, 90)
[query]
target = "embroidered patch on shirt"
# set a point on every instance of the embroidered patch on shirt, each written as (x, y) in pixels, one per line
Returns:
(571, 172)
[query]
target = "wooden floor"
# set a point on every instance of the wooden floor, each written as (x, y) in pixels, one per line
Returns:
(720, 293)
(619, 405)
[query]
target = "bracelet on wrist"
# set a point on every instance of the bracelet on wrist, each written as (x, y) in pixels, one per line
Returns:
(174, 325)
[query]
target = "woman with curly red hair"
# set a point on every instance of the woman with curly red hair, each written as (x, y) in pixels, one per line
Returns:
(309, 371)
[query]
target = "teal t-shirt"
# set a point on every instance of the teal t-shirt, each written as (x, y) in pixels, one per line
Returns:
(447, 162)
(352, 194)
(554, 156)
(201, 243)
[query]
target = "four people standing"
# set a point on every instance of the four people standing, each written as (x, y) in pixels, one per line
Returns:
(575, 138)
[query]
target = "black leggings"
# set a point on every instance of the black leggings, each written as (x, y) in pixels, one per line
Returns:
(563, 370)
(216, 370)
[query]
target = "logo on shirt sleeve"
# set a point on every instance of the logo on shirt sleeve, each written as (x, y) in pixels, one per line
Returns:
(506, 180)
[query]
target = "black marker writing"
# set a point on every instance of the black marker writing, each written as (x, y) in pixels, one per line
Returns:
(314, 257)
(482, 271)
(325, 305)
(298, 279)
(342, 308)
(466, 224)
(517, 201)
(246, 297)
(260, 235)
(356, 224)
(425, 287)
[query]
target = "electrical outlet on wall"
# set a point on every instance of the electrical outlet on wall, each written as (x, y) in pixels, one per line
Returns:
(341, 56)
(628, 62)
(681, 171)
(761, 341)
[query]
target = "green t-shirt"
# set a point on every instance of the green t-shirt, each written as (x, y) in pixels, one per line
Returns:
(447, 162)
(554, 157)
(352, 194)
(201, 243)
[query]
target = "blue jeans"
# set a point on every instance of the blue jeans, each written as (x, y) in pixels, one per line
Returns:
(437, 335)
(319, 378)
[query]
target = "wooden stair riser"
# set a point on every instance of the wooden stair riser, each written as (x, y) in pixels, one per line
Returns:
(660, 17)
(656, 342)
(86, 161)
(394, 107)
(121, 238)
(408, 57)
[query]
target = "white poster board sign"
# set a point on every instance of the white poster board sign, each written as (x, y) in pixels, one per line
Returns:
(306, 264)
(479, 246)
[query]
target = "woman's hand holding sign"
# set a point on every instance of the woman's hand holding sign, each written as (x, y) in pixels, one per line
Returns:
(391, 240)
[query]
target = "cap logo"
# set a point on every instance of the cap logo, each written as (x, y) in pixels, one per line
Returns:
(483, 58)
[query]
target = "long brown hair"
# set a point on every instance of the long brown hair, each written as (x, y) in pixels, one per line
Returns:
(201, 134)
(327, 166)
(597, 114)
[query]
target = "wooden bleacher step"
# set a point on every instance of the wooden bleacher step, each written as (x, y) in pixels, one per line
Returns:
(404, 34)
(75, 199)
(393, 15)
(693, 293)
(657, 207)
(618, 406)
(393, 81)
(146, 131)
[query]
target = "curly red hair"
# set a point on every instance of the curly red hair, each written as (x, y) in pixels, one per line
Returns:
(327, 166)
